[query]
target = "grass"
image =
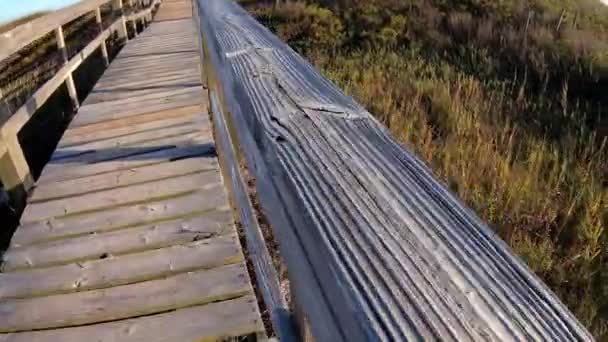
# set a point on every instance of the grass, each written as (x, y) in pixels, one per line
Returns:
(504, 100)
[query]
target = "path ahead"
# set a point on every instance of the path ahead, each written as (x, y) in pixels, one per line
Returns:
(128, 235)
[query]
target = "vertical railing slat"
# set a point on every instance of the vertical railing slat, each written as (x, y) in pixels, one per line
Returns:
(69, 80)
(103, 46)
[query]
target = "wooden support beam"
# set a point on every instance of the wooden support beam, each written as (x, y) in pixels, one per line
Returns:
(69, 80)
(104, 48)
(14, 170)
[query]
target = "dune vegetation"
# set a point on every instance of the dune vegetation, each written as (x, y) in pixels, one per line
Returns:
(505, 100)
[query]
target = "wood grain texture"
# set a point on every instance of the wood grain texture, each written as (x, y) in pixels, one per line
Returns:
(132, 300)
(124, 241)
(196, 145)
(122, 217)
(121, 270)
(129, 234)
(121, 178)
(396, 255)
(118, 127)
(211, 322)
(121, 196)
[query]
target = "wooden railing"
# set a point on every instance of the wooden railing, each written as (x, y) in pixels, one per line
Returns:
(376, 248)
(14, 170)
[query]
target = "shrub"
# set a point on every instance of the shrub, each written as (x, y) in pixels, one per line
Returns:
(505, 101)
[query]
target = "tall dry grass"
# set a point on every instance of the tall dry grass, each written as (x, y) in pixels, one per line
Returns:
(518, 138)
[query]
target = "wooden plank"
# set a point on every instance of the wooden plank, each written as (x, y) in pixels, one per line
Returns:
(196, 147)
(136, 149)
(121, 196)
(133, 81)
(155, 62)
(212, 200)
(211, 322)
(131, 76)
(148, 53)
(132, 300)
(117, 95)
(122, 270)
(109, 125)
(123, 241)
(121, 178)
(129, 107)
(136, 73)
(112, 146)
(121, 127)
(194, 91)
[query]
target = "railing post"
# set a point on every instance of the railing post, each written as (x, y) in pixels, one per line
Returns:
(104, 48)
(148, 4)
(122, 30)
(69, 80)
(14, 170)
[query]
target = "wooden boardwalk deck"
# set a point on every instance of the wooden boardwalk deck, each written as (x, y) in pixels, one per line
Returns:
(128, 235)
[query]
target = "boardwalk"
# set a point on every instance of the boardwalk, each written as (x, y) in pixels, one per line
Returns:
(128, 234)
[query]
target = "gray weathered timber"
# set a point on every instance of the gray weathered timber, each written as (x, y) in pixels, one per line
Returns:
(377, 248)
(128, 235)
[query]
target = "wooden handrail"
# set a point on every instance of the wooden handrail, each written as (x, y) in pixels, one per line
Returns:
(23, 35)
(14, 171)
(376, 248)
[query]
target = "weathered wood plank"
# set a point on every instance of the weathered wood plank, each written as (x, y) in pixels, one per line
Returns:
(116, 230)
(124, 241)
(121, 127)
(121, 196)
(111, 146)
(212, 200)
(211, 322)
(132, 300)
(121, 270)
(120, 178)
(200, 146)
(131, 83)
(129, 107)
(136, 149)
(159, 88)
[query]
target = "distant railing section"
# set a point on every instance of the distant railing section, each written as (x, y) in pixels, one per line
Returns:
(376, 248)
(14, 170)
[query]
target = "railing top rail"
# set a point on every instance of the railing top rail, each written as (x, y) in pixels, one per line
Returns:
(376, 247)
(23, 35)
